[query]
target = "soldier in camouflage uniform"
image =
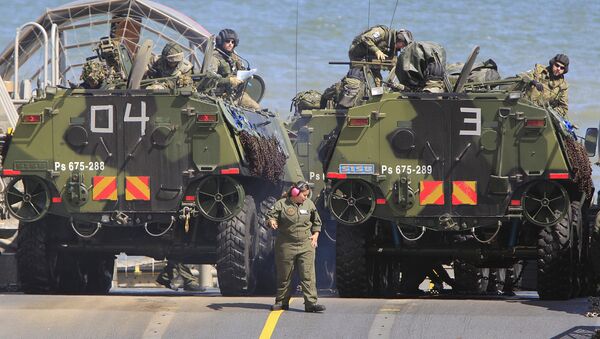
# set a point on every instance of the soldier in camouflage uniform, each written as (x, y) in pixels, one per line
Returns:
(171, 64)
(547, 85)
(95, 74)
(225, 64)
(378, 43)
(298, 223)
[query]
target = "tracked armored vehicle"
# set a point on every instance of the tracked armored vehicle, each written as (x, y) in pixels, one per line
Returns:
(477, 177)
(176, 173)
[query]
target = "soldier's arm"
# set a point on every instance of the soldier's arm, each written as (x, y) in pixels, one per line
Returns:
(214, 68)
(275, 211)
(370, 39)
(315, 219)
(562, 102)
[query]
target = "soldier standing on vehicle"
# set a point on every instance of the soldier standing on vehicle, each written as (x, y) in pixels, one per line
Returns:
(298, 223)
(171, 64)
(548, 84)
(378, 43)
(225, 63)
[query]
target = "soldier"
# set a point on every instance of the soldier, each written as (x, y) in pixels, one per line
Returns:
(225, 63)
(174, 269)
(378, 43)
(299, 225)
(94, 73)
(420, 67)
(547, 85)
(171, 64)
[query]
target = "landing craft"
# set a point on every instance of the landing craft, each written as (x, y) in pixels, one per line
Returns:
(177, 173)
(477, 177)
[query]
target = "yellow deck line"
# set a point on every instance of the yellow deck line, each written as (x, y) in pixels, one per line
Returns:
(271, 322)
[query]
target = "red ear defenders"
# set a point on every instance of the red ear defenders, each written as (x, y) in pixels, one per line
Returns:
(296, 189)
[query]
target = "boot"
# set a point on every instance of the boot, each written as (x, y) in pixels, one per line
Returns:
(314, 308)
(193, 287)
(161, 279)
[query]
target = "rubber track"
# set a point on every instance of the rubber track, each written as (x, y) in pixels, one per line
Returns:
(554, 266)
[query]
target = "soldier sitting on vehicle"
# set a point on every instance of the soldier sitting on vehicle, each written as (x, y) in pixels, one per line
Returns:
(104, 70)
(421, 67)
(171, 64)
(226, 63)
(547, 84)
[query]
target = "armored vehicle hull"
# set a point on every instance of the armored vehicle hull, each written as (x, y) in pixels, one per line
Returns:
(146, 167)
(482, 179)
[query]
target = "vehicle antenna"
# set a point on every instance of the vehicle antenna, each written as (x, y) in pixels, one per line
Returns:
(369, 15)
(394, 14)
(297, 15)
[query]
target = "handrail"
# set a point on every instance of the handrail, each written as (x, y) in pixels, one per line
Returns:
(16, 49)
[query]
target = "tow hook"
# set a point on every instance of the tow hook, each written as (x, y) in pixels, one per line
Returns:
(186, 213)
(447, 221)
(121, 218)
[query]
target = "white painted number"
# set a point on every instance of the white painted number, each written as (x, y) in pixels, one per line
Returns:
(97, 110)
(475, 121)
(141, 119)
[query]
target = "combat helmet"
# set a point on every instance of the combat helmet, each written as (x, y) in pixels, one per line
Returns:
(172, 52)
(227, 34)
(404, 35)
(563, 59)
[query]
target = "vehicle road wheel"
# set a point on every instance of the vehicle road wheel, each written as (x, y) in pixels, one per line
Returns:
(264, 261)
(351, 262)
(235, 244)
(469, 278)
(555, 267)
(594, 260)
(34, 261)
(99, 273)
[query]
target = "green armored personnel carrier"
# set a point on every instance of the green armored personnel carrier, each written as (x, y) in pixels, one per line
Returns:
(477, 177)
(163, 172)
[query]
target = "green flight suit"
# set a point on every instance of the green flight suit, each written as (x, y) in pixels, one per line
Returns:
(296, 223)
(365, 45)
(556, 89)
(226, 65)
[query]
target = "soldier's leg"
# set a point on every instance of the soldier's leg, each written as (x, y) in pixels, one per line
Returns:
(166, 277)
(377, 77)
(284, 264)
(186, 274)
(306, 271)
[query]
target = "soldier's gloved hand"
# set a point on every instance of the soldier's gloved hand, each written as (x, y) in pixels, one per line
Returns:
(273, 223)
(380, 55)
(537, 85)
(234, 81)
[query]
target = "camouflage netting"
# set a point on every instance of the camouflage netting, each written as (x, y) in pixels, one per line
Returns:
(264, 155)
(581, 165)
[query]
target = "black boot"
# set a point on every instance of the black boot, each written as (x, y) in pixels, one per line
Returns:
(314, 308)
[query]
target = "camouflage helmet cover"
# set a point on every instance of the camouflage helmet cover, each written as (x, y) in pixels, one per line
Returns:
(94, 72)
(172, 52)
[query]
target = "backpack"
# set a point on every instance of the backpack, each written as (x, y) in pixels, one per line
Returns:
(352, 90)
(306, 100)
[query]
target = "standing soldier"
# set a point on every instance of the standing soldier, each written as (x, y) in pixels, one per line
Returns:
(225, 64)
(171, 64)
(299, 225)
(548, 84)
(378, 43)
